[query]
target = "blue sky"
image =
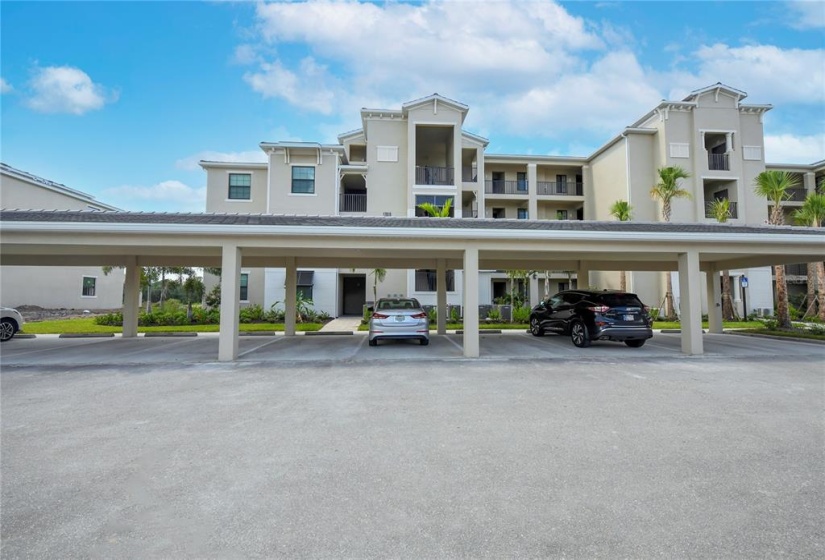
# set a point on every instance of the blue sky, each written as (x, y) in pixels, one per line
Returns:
(121, 99)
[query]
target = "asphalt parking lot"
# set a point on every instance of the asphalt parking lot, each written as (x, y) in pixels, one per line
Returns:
(321, 446)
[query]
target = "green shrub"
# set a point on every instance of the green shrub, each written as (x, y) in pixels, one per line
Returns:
(110, 319)
(521, 314)
(432, 314)
(252, 314)
(494, 315)
(455, 317)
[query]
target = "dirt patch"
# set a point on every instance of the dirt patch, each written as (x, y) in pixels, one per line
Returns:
(34, 313)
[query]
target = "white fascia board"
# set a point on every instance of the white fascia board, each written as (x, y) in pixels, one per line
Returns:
(232, 165)
(732, 92)
(474, 138)
(513, 158)
(461, 107)
(300, 145)
(245, 230)
(351, 135)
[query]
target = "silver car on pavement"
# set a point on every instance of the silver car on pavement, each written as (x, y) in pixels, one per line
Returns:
(399, 318)
(10, 322)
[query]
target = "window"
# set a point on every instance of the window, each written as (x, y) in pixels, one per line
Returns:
(244, 286)
(521, 181)
(425, 281)
(498, 213)
(563, 286)
(89, 286)
(304, 284)
(303, 180)
(240, 186)
(561, 184)
(522, 213)
(561, 214)
(387, 153)
(436, 200)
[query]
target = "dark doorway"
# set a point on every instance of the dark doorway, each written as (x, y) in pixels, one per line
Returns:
(354, 294)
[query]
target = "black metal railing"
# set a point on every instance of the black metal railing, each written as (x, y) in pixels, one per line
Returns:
(505, 187)
(796, 194)
(353, 203)
(559, 189)
(796, 269)
(468, 175)
(719, 162)
(732, 210)
(434, 175)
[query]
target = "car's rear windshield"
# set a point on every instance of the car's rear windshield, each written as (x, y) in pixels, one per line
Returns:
(620, 300)
(398, 304)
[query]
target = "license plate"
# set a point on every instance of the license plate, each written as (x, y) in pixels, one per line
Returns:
(629, 317)
(399, 318)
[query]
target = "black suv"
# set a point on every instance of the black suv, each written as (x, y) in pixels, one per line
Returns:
(588, 315)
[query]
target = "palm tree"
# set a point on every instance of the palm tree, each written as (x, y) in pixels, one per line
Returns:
(437, 211)
(812, 214)
(378, 276)
(774, 186)
(666, 190)
(720, 209)
(622, 211)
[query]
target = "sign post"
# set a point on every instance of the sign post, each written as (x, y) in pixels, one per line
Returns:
(744, 282)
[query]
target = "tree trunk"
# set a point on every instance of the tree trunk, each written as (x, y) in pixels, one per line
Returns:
(782, 313)
(728, 313)
(669, 307)
(809, 306)
(623, 281)
(820, 281)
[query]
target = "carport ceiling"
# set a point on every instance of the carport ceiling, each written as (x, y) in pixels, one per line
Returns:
(112, 238)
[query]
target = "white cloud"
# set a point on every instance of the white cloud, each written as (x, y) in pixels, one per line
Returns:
(64, 89)
(789, 148)
(167, 196)
(807, 14)
(5, 87)
(311, 87)
(767, 73)
(190, 163)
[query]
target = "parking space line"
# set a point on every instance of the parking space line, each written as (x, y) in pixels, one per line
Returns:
(256, 348)
(154, 348)
(454, 343)
(60, 347)
(364, 340)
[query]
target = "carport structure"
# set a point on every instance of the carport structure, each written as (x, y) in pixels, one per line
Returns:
(230, 241)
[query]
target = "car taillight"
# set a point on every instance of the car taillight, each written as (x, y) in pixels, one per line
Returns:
(647, 309)
(419, 316)
(380, 316)
(599, 309)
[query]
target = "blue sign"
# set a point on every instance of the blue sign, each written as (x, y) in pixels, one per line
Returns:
(744, 281)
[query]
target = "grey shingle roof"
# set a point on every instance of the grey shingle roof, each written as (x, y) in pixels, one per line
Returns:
(389, 222)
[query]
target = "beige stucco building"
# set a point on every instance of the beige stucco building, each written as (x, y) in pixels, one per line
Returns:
(71, 287)
(420, 153)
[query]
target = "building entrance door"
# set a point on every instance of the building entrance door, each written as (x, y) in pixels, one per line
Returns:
(354, 294)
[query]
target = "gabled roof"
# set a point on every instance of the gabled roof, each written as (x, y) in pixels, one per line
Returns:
(460, 107)
(475, 138)
(717, 88)
(32, 179)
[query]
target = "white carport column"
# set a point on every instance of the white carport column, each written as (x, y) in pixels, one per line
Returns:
(689, 302)
(441, 294)
(471, 342)
(583, 276)
(534, 290)
(131, 298)
(714, 291)
(290, 297)
(230, 302)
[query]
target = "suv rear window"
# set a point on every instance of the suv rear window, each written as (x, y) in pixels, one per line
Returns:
(620, 300)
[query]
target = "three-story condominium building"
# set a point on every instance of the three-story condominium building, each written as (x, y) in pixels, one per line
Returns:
(400, 159)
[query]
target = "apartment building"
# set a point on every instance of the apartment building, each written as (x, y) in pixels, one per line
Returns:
(71, 287)
(401, 158)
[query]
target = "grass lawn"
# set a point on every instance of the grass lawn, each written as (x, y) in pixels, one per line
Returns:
(87, 325)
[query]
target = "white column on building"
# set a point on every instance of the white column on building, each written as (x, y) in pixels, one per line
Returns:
(131, 298)
(480, 196)
(532, 192)
(230, 302)
(583, 275)
(534, 290)
(809, 182)
(689, 302)
(441, 294)
(290, 296)
(714, 291)
(471, 341)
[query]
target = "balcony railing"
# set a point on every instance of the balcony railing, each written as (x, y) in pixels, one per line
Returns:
(796, 194)
(559, 189)
(732, 211)
(434, 176)
(718, 162)
(505, 187)
(796, 269)
(468, 175)
(353, 203)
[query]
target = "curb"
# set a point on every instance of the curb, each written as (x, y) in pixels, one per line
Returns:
(774, 337)
(169, 334)
(87, 335)
(258, 333)
(21, 335)
(325, 333)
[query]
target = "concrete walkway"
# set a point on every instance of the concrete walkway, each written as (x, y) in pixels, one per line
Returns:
(342, 324)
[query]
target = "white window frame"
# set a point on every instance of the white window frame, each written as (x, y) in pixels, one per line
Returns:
(239, 172)
(243, 273)
(387, 154)
(83, 282)
(315, 186)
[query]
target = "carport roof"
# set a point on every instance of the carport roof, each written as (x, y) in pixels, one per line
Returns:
(149, 218)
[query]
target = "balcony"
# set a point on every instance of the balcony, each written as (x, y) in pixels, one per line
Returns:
(559, 189)
(468, 175)
(796, 194)
(796, 269)
(719, 162)
(732, 211)
(353, 203)
(434, 176)
(505, 187)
